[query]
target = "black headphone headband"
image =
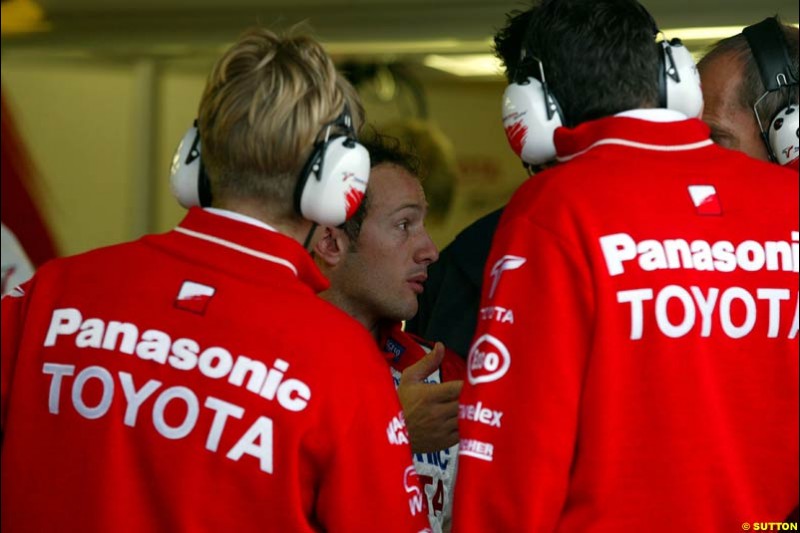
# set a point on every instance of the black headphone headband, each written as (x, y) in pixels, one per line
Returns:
(771, 52)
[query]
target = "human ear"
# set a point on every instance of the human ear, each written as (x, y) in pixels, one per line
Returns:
(331, 247)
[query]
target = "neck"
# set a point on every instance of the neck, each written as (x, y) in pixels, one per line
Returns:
(297, 228)
(364, 317)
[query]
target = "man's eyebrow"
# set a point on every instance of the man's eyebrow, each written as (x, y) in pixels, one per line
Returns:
(417, 207)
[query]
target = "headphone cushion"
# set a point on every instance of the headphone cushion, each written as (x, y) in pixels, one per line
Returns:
(685, 96)
(184, 175)
(784, 135)
(528, 129)
(332, 196)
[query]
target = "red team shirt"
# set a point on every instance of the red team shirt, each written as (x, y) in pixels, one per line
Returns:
(635, 365)
(193, 381)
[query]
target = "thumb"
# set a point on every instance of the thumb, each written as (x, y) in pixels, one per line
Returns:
(425, 366)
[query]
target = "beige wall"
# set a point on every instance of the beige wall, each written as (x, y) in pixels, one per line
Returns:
(83, 123)
(76, 122)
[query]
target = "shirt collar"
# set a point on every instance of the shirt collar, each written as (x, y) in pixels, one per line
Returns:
(400, 349)
(231, 243)
(240, 217)
(654, 114)
(670, 132)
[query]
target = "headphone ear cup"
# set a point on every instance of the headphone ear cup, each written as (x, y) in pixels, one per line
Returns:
(683, 89)
(525, 119)
(311, 167)
(187, 177)
(333, 182)
(784, 136)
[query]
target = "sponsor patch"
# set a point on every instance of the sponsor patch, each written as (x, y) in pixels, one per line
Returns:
(394, 347)
(479, 413)
(477, 449)
(416, 499)
(498, 314)
(705, 200)
(507, 262)
(488, 360)
(194, 297)
(396, 431)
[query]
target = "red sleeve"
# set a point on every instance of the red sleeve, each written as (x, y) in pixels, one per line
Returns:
(14, 306)
(519, 405)
(372, 485)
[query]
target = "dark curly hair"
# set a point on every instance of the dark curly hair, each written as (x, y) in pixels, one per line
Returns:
(382, 149)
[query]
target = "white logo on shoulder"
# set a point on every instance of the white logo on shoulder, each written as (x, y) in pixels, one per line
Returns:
(488, 360)
(507, 262)
(194, 297)
(705, 199)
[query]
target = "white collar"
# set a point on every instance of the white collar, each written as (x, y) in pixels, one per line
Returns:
(240, 217)
(654, 115)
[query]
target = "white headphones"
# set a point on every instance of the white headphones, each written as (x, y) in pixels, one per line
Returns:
(770, 50)
(784, 136)
(329, 189)
(188, 180)
(531, 112)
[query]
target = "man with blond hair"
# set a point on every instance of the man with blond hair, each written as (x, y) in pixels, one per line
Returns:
(193, 380)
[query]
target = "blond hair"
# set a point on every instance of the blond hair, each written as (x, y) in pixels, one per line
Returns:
(265, 103)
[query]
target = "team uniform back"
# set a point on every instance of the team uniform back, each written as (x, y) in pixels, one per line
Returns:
(204, 387)
(638, 334)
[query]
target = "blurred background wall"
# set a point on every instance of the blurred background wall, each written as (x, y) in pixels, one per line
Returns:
(101, 91)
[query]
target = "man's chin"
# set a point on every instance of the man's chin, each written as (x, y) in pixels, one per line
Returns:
(402, 313)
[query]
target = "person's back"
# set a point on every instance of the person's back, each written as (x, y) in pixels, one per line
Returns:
(684, 319)
(193, 381)
(193, 400)
(637, 341)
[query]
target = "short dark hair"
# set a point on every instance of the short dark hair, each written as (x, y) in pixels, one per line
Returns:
(752, 87)
(600, 57)
(382, 149)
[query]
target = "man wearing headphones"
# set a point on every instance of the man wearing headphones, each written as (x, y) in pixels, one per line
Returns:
(193, 380)
(635, 361)
(377, 264)
(750, 91)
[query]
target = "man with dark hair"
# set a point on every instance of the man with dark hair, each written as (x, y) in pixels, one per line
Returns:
(635, 361)
(377, 263)
(733, 87)
(194, 380)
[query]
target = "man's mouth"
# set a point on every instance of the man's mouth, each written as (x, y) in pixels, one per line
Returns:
(417, 283)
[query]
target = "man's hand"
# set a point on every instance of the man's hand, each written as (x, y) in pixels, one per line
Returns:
(430, 409)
